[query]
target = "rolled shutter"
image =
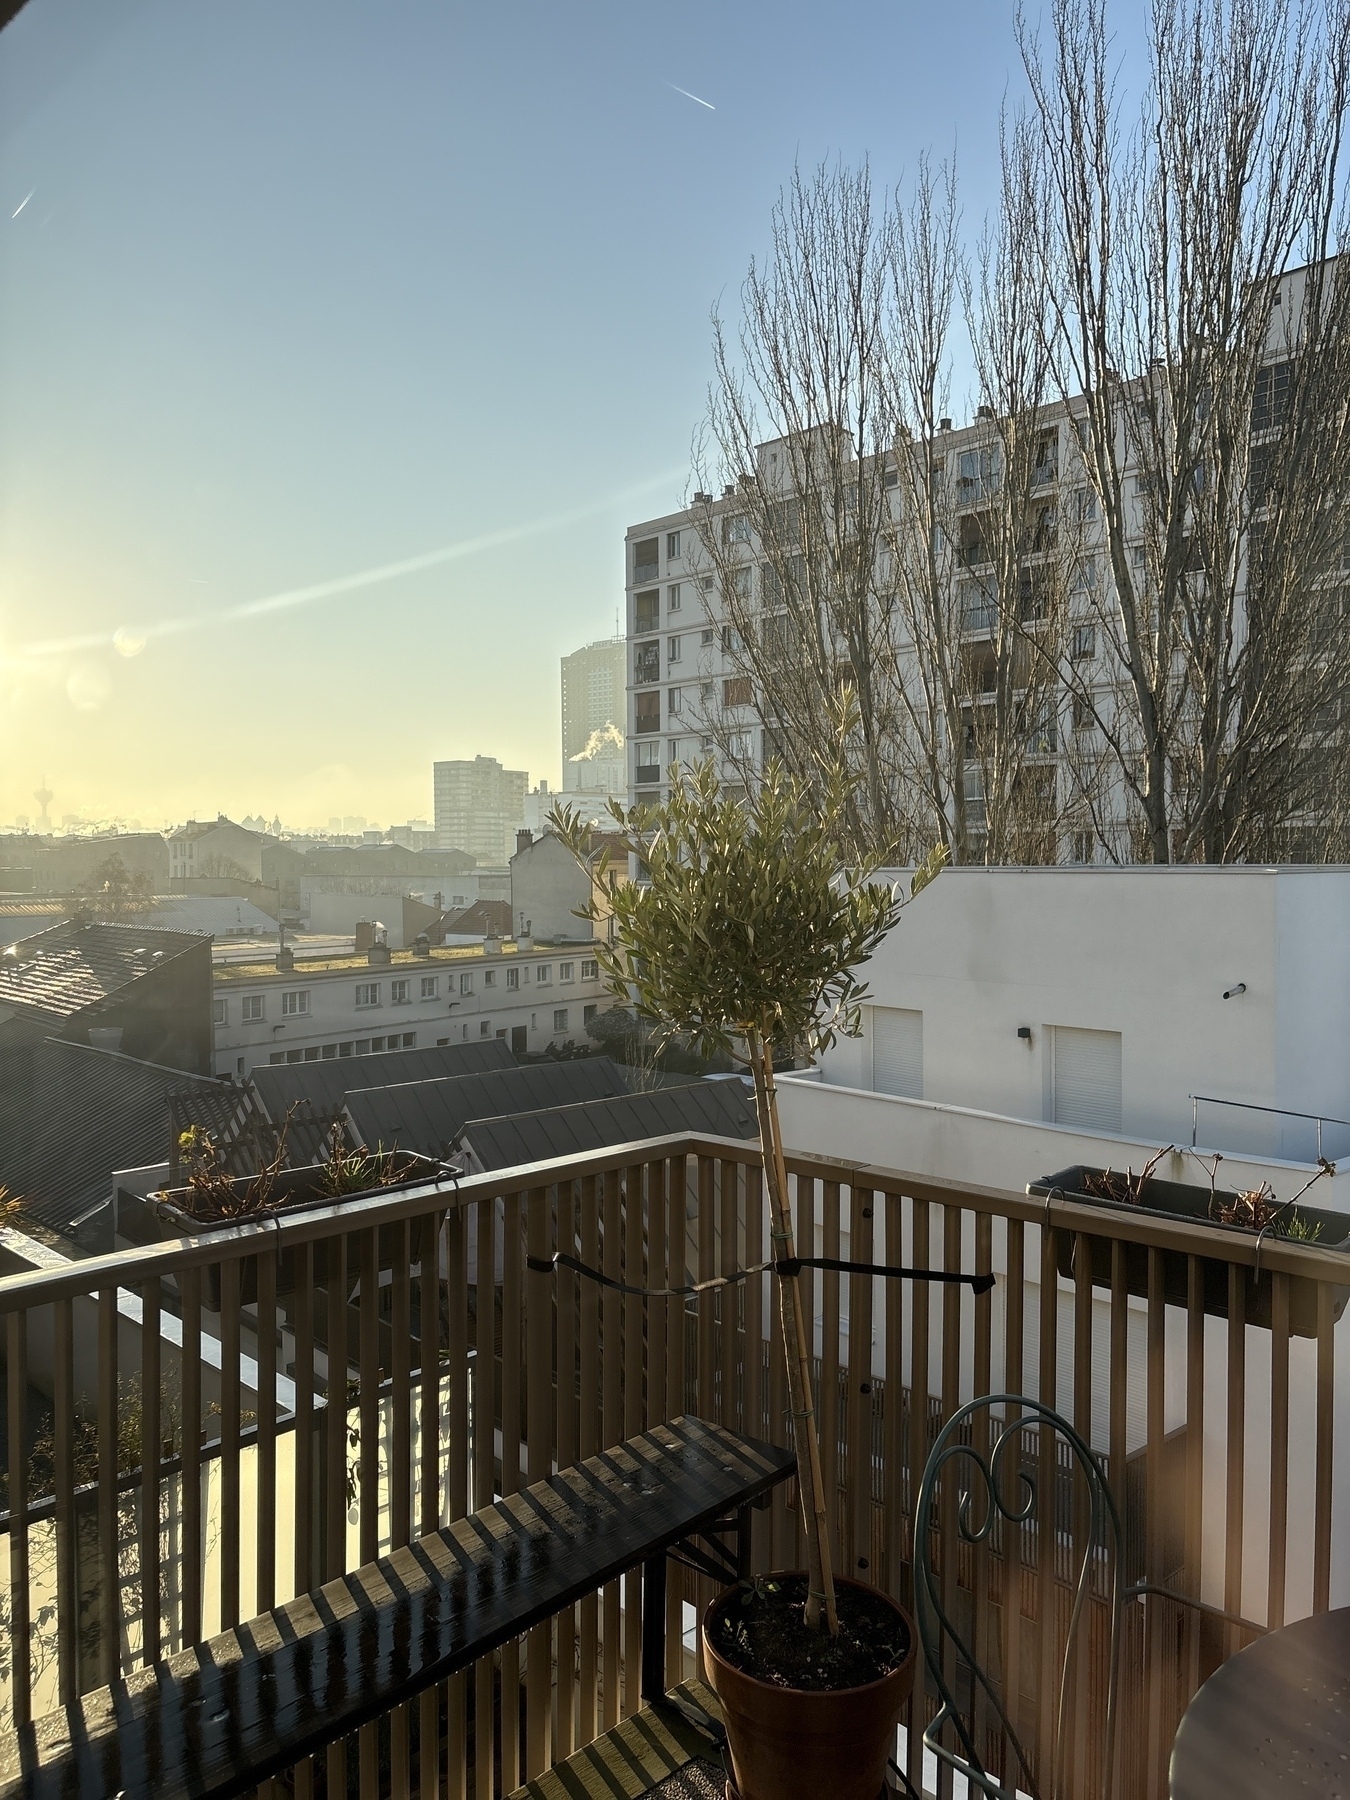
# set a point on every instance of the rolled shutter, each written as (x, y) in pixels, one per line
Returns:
(897, 1051)
(1087, 1078)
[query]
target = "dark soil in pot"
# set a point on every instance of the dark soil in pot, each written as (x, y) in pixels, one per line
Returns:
(807, 1715)
(759, 1630)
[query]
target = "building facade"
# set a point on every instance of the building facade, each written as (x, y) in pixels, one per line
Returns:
(531, 994)
(216, 847)
(479, 807)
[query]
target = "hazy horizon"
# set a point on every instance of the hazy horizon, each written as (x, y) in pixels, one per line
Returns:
(340, 344)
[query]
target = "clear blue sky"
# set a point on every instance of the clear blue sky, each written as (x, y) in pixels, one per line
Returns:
(308, 287)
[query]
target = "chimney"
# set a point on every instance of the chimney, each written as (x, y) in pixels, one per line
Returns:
(422, 945)
(365, 936)
(492, 945)
(285, 960)
(944, 424)
(105, 1037)
(984, 412)
(378, 955)
(524, 838)
(524, 943)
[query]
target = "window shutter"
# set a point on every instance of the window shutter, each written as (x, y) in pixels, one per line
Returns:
(1087, 1078)
(897, 1051)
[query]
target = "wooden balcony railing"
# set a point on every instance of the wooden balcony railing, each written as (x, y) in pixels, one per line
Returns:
(302, 1395)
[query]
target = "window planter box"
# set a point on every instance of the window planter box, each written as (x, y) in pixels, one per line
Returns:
(295, 1190)
(1182, 1200)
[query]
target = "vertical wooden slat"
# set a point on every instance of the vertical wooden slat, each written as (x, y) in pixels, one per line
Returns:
(400, 1384)
(588, 1444)
(1156, 1365)
(306, 1567)
(827, 1400)
(1047, 1388)
(539, 1461)
(512, 1397)
(899, 1495)
(809, 1292)
(230, 1422)
(1325, 1429)
(753, 1338)
(1194, 1480)
(634, 1409)
(708, 1406)
(1119, 1446)
(1279, 1448)
(657, 1311)
(429, 1384)
(918, 1432)
(569, 1423)
(368, 1455)
(1235, 1451)
(67, 1570)
(980, 1559)
(452, 1228)
(1014, 1340)
(949, 1301)
(861, 1234)
(1078, 1695)
(676, 1276)
(728, 1299)
(109, 1597)
(150, 1456)
(611, 1428)
(781, 1512)
(484, 1467)
(16, 1395)
(267, 1497)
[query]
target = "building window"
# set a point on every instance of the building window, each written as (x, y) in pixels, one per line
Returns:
(674, 700)
(588, 1013)
(707, 639)
(590, 971)
(646, 554)
(296, 1003)
(330, 1053)
(367, 993)
(277, 1056)
(672, 649)
(1084, 642)
(400, 992)
(672, 545)
(567, 971)
(430, 986)
(363, 1046)
(1083, 716)
(489, 978)
(513, 978)
(252, 1009)
(560, 1018)
(673, 597)
(646, 664)
(410, 1040)
(293, 1056)
(466, 982)
(648, 774)
(484, 1028)
(737, 529)
(312, 1053)
(647, 611)
(736, 692)
(1081, 846)
(220, 1012)
(544, 974)
(646, 713)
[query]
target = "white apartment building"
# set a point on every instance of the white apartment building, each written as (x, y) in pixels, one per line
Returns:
(479, 807)
(532, 994)
(1022, 1020)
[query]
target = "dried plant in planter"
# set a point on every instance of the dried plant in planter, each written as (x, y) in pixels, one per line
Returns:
(353, 1171)
(1127, 1189)
(1258, 1210)
(212, 1193)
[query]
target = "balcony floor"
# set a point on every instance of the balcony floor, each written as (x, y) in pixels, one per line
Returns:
(657, 1754)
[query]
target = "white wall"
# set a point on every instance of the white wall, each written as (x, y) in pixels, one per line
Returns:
(1147, 952)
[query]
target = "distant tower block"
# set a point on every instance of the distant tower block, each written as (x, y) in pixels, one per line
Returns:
(43, 796)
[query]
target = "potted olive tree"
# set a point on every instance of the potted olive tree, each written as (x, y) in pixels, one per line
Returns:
(742, 937)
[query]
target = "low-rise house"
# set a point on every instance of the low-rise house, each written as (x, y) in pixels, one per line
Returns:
(532, 995)
(215, 847)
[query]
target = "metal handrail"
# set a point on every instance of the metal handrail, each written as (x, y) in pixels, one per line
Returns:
(1283, 1112)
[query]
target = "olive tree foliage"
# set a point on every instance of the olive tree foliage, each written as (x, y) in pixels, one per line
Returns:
(746, 932)
(854, 552)
(1199, 330)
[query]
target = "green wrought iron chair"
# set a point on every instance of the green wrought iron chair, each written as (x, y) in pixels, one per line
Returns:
(983, 1449)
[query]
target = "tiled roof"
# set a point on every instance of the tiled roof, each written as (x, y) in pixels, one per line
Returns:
(428, 1116)
(485, 918)
(326, 1084)
(60, 971)
(719, 1108)
(79, 1114)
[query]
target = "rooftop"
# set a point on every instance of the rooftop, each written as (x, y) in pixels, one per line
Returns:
(73, 965)
(266, 969)
(720, 1108)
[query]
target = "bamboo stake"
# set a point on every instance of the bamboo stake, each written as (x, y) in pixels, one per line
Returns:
(797, 1349)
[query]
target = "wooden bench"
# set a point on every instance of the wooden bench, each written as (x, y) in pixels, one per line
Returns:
(216, 1720)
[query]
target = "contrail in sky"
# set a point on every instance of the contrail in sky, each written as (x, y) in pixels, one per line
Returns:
(19, 208)
(689, 96)
(345, 584)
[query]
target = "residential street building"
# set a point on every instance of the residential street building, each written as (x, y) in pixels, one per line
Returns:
(534, 995)
(216, 847)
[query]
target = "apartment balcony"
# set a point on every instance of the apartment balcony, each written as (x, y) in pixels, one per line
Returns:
(198, 1432)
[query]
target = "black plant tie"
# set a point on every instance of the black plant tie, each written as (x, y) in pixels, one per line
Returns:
(786, 1266)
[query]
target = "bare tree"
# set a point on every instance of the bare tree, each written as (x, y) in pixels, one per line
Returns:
(1200, 336)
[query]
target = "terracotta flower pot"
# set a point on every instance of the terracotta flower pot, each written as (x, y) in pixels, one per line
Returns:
(796, 1744)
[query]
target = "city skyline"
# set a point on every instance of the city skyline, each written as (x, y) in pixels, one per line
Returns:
(331, 428)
